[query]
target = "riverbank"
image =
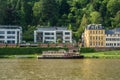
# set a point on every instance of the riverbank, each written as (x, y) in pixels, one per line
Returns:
(34, 52)
(104, 54)
(19, 56)
(25, 52)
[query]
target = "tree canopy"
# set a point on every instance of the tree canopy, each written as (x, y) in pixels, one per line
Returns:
(28, 13)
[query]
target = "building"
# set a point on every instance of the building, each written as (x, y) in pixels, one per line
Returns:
(113, 37)
(53, 34)
(94, 36)
(10, 34)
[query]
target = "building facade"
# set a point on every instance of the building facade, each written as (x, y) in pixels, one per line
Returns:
(113, 37)
(94, 36)
(10, 34)
(53, 34)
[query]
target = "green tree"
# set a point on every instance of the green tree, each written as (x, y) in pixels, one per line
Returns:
(96, 4)
(2, 10)
(48, 11)
(64, 7)
(69, 27)
(116, 19)
(28, 35)
(113, 6)
(82, 26)
(95, 17)
(11, 13)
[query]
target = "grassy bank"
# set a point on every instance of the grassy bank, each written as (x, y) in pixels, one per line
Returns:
(19, 56)
(32, 52)
(105, 54)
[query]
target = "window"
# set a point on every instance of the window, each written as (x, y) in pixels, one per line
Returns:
(52, 37)
(49, 37)
(52, 33)
(96, 44)
(47, 33)
(90, 43)
(2, 37)
(90, 37)
(118, 34)
(10, 32)
(90, 32)
(101, 38)
(2, 32)
(96, 38)
(106, 44)
(93, 38)
(107, 39)
(10, 41)
(11, 37)
(1, 41)
(96, 32)
(67, 33)
(111, 44)
(99, 32)
(101, 43)
(67, 37)
(117, 44)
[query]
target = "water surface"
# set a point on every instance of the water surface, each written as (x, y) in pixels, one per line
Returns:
(81, 69)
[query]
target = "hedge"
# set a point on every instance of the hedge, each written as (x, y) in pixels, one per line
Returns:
(24, 51)
(87, 50)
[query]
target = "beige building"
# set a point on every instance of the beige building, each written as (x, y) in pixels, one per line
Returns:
(94, 36)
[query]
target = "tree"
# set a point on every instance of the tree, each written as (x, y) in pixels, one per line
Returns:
(48, 11)
(113, 6)
(116, 19)
(82, 26)
(2, 10)
(64, 7)
(95, 17)
(96, 4)
(69, 27)
(11, 14)
(27, 34)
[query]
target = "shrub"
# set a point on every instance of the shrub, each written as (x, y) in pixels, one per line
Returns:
(87, 50)
(24, 51)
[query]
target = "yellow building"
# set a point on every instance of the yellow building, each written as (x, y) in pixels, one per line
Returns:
(94, 36)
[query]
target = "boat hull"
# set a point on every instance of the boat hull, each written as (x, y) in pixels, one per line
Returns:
(72, 57)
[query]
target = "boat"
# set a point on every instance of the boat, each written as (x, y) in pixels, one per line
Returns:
(61, 54)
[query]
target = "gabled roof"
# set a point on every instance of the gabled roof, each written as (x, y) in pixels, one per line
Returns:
(94, 27)
(52, 28)
(109, 32)
(10, 27)
(113, 31)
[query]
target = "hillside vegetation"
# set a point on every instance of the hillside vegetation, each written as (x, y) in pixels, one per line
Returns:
(74, 14)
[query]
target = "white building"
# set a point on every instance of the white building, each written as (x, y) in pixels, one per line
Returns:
(53, 34)
(10, 34)
(113, 38)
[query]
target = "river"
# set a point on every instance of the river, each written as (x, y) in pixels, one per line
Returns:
(61, 69)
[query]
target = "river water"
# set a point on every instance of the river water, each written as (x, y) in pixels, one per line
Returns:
(61, 69)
